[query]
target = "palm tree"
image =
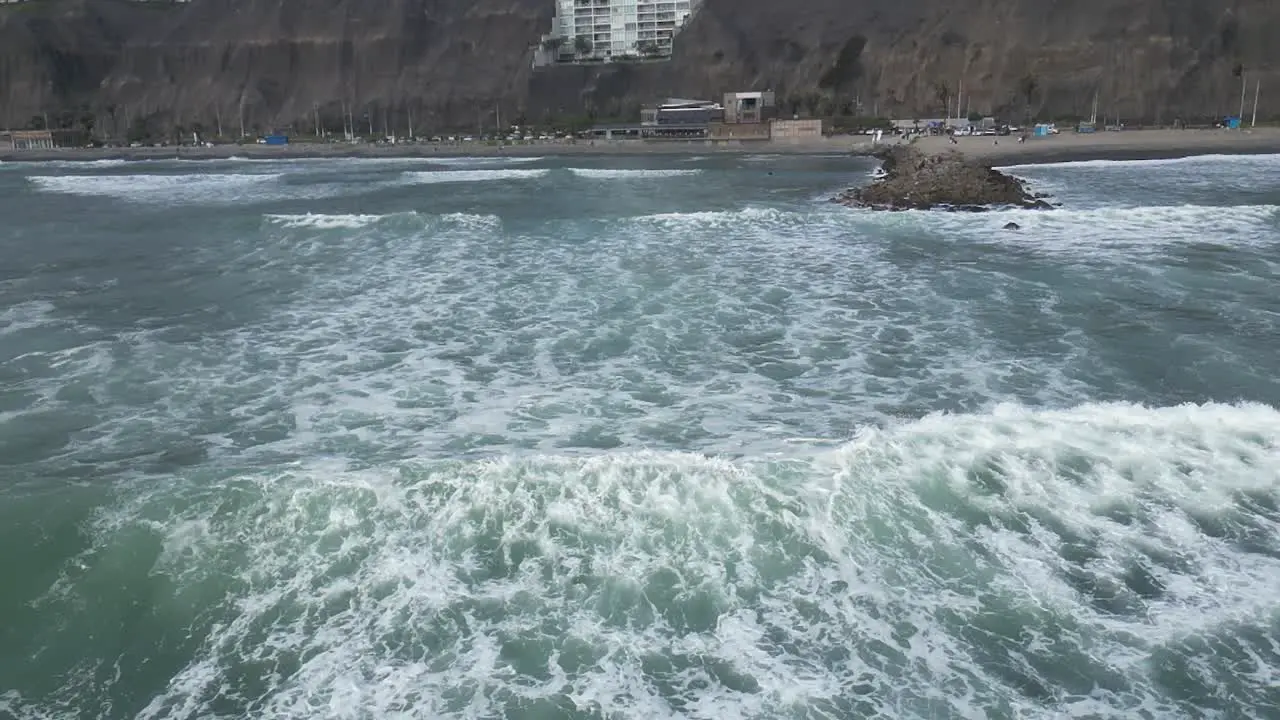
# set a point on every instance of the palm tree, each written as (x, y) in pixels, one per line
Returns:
(582, 45)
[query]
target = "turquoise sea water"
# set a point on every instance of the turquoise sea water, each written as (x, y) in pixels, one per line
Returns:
(635, 438)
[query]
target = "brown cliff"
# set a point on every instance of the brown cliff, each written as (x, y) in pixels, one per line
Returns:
(451, 63)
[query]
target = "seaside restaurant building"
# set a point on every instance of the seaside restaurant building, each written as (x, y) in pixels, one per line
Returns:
(675, 119)
(680, 111)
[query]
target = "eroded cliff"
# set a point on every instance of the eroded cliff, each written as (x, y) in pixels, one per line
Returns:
(452, 63)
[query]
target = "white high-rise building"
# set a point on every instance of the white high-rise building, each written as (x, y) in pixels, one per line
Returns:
(614, 28)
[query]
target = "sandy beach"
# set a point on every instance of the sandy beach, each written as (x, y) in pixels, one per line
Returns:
(1124, 145)
(426, 150)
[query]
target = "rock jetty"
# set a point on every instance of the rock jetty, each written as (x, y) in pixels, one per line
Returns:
(914, 180)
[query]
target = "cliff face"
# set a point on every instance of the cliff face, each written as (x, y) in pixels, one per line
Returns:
(1145, 59)
(55, 55)
(293, 60)
(451, 63)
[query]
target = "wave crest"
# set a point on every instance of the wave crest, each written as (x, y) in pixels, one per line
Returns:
(432, 177)
(654, 583)
(621, 174)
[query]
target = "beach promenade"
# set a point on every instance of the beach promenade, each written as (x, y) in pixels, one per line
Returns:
(1070, 146)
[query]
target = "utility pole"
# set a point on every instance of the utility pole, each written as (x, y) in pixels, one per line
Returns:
(411, 135)
(315, 110)
(1257, 88)
(217, 114)
(242, 115)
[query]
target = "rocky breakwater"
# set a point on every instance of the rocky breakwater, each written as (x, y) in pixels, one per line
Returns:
(914, 180)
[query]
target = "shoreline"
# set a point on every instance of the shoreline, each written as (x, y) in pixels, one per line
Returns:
(1123, 146)
(309, 151)
(1127, 145)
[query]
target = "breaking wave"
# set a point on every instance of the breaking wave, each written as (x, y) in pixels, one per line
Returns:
(158, 188)
(461, 176)
(1041, 563)
(471, 161)
(1145, 228)
(330, 222)
(765, 458)
(1139, 165)
(611, 174)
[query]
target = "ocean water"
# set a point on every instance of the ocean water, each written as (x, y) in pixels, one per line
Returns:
(665, 437)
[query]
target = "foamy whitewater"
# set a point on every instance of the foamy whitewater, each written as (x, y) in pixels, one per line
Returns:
(657, 437)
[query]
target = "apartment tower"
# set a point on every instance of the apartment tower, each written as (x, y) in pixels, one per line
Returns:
(642, 28)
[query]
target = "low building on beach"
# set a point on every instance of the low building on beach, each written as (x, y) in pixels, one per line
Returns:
(749, 107)
(682, 111)
(744, 117)
(27, 140)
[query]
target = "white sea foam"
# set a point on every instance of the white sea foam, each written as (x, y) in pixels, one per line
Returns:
(1265, 159)
(109, 162)
(419, 491)
(476, 161)
(327, 222)
(25, 316)
(315, 221)
(1123, 229)
(474, 221)
(664, 585)
(621, 174)
(202, 187)
(465, 176)
(71, 164)
(719, 218)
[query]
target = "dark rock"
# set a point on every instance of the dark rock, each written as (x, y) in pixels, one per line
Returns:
(914, 180)
(1012, 226)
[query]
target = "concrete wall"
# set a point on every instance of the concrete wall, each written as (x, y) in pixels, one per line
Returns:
(795, 130)
(737, 131)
